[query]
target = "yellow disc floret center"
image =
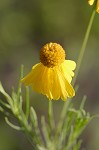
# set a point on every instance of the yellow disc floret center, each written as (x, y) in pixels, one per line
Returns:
(52, 54)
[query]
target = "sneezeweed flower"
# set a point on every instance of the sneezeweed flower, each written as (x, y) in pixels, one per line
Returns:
(91, 2)
(53, 75)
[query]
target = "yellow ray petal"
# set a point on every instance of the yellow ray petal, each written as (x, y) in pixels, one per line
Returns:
(28, 80)
(68, 66)
(63, 88)
(68, 87)
(61, 82)
(47, 83)
(37, 78)
(56, 89)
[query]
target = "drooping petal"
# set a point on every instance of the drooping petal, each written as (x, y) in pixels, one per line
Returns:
(56, 86)
(67, 89)
(61, 82)
(40, 79)
(67, 68)
(61, 88)
(47, 82)
(52, 82)
(28, 80)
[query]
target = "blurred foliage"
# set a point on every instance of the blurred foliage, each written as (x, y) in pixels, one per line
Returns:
(61, 135)
(25, 26)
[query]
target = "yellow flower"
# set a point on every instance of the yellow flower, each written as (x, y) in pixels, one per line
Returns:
(91, 3)
(53, 75)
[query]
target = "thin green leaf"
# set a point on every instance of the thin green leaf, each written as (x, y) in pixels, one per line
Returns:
(33, 117)
(12, 125)
(19, 85)
(45, 131)
(8, 98)
(34, 122)
(27, 102)
(5, 104)
(83, 102)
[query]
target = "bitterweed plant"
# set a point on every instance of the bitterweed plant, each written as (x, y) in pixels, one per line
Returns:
(63, 136)
(58, 73)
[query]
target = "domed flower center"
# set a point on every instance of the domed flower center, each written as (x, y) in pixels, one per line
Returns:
(52, 54)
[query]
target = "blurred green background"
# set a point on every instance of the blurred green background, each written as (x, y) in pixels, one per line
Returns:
(25, 26)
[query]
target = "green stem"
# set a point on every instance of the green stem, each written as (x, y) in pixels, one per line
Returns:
(51, 116)
(83, 48)
(19, 85)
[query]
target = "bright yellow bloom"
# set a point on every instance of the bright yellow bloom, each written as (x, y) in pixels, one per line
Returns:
(91, 3)
(53, 75)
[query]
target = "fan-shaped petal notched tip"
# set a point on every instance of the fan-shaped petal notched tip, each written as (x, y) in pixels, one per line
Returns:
(29, 79)
(59, 87)
(40, 79)
(68, 67)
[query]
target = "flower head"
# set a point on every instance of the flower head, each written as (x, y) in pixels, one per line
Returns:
(91, 2)
(53, 75)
